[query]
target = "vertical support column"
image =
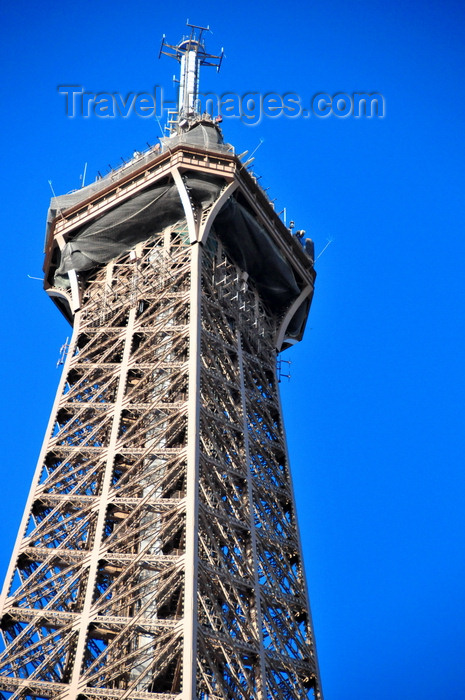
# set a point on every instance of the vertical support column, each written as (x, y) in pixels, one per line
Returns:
(85, 616)
(261, 685)
(192, 497)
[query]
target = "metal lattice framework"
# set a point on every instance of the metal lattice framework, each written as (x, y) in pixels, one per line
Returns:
(159, 553)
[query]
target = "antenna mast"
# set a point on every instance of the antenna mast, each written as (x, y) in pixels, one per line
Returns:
(191, 54)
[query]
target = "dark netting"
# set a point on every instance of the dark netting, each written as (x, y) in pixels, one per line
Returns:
(130, 223)
(249, 245)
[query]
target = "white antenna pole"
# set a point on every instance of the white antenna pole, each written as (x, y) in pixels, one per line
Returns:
(51, 187)
(84, 176)
(191, 54)
(321, 253)
(53, 192)
(256, 149)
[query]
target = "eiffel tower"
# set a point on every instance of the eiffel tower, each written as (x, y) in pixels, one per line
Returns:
(159, 556)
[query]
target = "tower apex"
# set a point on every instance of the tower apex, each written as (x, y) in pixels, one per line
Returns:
(190, 52)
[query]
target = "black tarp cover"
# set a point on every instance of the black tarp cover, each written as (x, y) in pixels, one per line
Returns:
(132, 222)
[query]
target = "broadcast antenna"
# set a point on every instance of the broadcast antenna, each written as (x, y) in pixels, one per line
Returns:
(191, 54)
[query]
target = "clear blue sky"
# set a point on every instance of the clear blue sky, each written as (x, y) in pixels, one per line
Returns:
(374, 409)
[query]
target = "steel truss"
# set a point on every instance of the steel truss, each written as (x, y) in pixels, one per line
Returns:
(159, 555)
